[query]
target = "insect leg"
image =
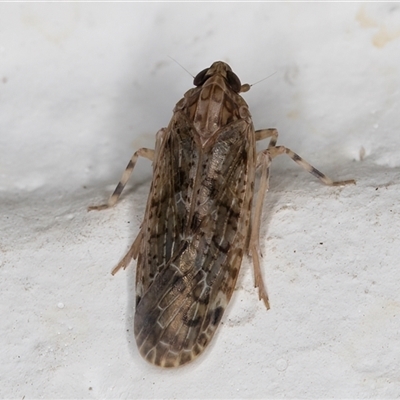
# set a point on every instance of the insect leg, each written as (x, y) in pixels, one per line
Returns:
(131, 253)
(275, 151)
(267, 133)
(147, 153)
(263, 161)
(278, 150)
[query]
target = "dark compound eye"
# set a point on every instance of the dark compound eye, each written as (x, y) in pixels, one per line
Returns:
(201, 77)
(234, 81)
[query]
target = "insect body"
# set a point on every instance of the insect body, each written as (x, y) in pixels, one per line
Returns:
(200, 217)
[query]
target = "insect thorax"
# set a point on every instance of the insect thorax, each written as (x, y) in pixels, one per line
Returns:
(213, 106)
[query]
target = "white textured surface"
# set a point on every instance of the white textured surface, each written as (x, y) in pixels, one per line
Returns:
(84, 85)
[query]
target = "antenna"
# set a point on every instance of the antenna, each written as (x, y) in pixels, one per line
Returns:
(246, 87)
(263, 79)
(173, 59)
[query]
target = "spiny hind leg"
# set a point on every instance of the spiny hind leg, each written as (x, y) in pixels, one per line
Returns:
(264, 159)
(132, 253)
(263, 162)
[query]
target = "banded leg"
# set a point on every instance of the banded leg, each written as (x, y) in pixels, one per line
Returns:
(146, 153)
(312, 170)
(150, 154)
(278, 150)
(132, 252)
(264, 159)
(272, 133)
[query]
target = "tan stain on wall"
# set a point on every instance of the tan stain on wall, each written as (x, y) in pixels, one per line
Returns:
(384, 35)
(54, 27)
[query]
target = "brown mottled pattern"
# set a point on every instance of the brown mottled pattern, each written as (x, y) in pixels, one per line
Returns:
(198, 221)
(196, 224)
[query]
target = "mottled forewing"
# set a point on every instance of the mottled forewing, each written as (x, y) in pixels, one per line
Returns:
(180, 311)
(166, 211)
